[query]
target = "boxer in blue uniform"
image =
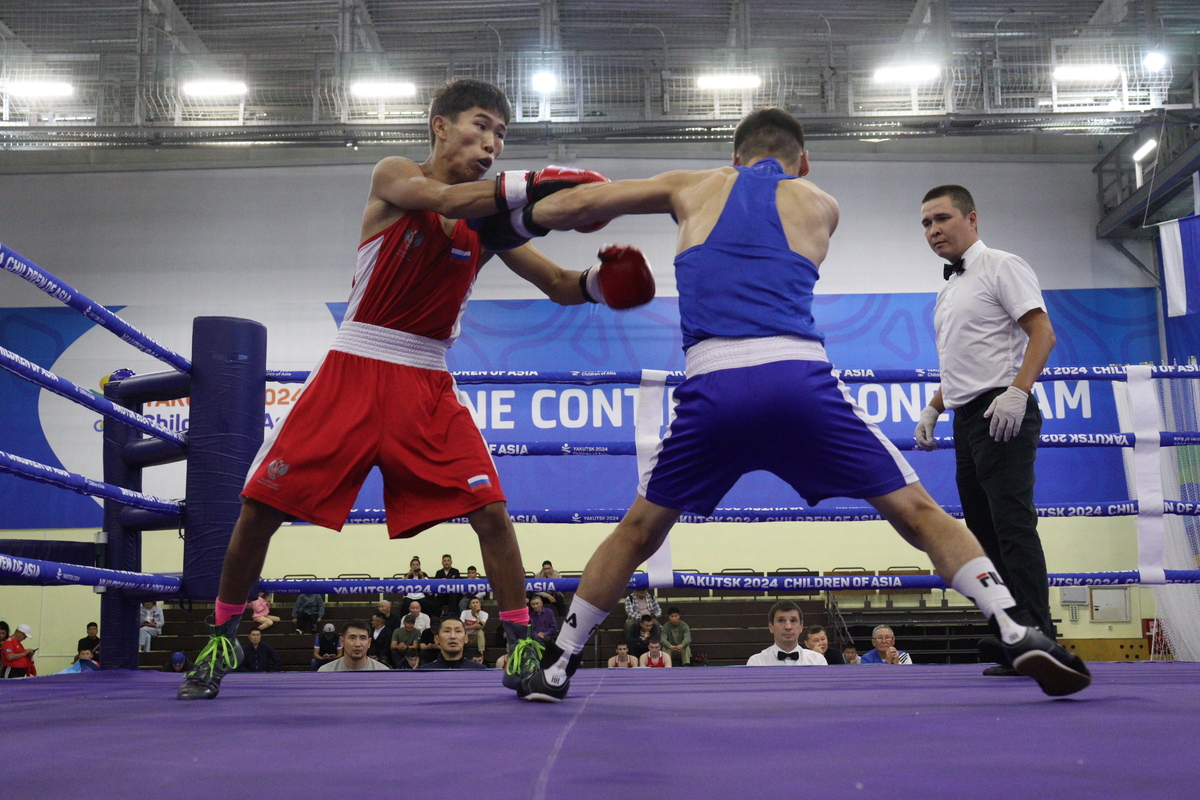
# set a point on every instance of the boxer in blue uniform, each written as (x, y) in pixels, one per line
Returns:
(760, 393)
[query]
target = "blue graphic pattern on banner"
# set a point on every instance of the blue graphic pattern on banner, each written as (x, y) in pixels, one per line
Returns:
(39, 335)
(1094, 327)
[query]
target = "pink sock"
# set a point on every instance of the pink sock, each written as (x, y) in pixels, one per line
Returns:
(227, 611)
(520, 616)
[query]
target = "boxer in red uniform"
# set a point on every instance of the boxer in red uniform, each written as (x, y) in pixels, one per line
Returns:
(382, 395)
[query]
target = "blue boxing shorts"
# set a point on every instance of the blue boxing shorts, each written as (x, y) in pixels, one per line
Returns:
(791, 418)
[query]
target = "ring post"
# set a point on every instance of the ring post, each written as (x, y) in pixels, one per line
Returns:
(229, 397)
(119, 618)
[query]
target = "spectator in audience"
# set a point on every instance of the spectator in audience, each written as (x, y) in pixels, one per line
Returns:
(415, 573)
(677, 636)
(850, 655)
(356, 639)
(178, 662)
(409, 661)
(451, 641)
(405, 640)
(502, 661)
(260, 612)
(152, 624)
(638, 604)
(472, 575)
(15, 660)
(654, 656)
(555, 599)
(381, 639)
(885, 651)
(258, 656)
(817, 640)
(82, 662)
(389, 617)
(448, 572)
(91, 641)
(3, 634)
(474, 619)
(622, 658)
(422, 619)
(327, 647)
(786, 624)
(308, 612)
(427, 645)
(543, 626)
(639, 637)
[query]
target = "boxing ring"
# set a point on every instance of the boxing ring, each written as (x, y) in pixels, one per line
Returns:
(940, 730)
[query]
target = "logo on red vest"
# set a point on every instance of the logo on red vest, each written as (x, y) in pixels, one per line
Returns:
(277, 469)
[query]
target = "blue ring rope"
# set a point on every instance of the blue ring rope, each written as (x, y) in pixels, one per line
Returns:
(74, 392)
(32, 470)
(17, 264)
(73, 574)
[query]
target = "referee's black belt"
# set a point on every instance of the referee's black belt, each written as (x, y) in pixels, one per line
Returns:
(979, 404)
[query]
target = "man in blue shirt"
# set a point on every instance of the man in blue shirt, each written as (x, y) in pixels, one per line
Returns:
(885, 651)
(760, 392)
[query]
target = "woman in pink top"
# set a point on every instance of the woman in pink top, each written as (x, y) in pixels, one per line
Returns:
(260, 612)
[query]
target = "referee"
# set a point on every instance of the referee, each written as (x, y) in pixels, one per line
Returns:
(993, 339)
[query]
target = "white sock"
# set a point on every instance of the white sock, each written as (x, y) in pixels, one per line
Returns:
(582, 620)
(979, 580)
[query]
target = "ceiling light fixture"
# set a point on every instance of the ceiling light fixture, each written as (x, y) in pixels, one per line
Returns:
(1087, 72)
(1154, 61)
(379, 89)
(39, 89)
(1145, 150)
(728, 81)
(544, 82)
(214, 88)
(908, 73)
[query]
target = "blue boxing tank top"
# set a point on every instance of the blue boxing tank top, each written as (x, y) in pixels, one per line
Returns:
(744, 280)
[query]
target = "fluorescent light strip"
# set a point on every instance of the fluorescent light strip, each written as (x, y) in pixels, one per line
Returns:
(1087, 72)
(1154, 61)
(1145, 150)
(728, 82)
(214, 88)
(39, 89)
(908, 73)
(544, 82)
(383, 89)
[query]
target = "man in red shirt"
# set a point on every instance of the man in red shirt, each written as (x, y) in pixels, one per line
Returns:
(382, 396)
(15, 660)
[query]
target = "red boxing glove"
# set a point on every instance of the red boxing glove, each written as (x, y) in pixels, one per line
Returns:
(621, 280)
(517, 188)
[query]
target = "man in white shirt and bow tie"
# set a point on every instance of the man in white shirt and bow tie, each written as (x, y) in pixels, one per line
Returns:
(786, 624)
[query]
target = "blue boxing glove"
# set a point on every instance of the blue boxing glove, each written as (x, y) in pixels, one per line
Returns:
(496, 233)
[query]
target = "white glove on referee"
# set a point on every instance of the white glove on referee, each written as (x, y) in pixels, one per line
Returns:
(1006, 413)
(924, 432)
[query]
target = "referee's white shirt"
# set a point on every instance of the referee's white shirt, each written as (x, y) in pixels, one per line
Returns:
(980, 345)
(769, 658)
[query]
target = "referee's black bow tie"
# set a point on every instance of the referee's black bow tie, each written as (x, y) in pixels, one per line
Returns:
(792, 656)
(952, 269)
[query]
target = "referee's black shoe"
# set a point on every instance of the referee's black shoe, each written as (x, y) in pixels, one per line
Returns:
(538, 686)
(1057, 670)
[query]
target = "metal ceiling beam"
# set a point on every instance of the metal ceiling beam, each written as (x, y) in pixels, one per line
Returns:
(12, 44)
(1125, 221)
(175, 24)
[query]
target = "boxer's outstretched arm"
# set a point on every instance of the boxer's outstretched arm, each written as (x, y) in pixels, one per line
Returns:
(600, 202)
(401, 182)
(560, 285)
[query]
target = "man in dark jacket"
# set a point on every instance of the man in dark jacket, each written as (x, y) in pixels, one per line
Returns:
(260, 656)
(451, 640)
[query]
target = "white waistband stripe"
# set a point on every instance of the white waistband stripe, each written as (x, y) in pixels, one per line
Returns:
(717, 353)
(395, 347)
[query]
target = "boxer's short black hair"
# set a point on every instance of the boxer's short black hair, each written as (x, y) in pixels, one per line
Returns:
(462, 94)
(769, 132)
(960, 198)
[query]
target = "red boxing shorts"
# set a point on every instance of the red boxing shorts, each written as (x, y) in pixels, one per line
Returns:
(356, 413)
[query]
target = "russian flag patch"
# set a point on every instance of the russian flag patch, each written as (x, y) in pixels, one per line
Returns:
(461, 255)
(479, 480)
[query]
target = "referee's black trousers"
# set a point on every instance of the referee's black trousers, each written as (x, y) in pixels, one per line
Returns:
(995, 485)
